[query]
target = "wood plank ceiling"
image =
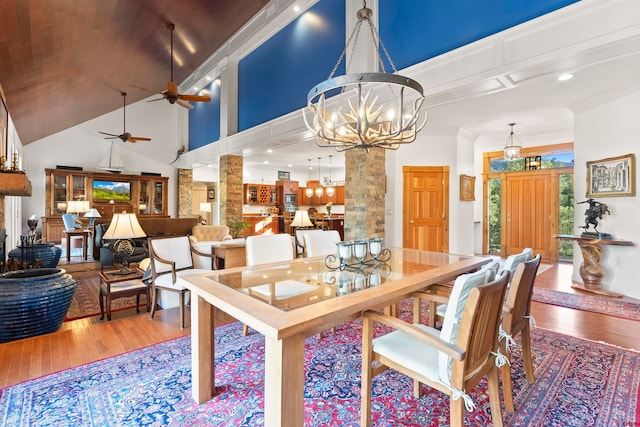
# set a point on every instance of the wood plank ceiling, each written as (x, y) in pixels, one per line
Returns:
(63, 62)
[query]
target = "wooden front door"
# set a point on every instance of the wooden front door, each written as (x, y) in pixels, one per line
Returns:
(529, 218)
(425, 221)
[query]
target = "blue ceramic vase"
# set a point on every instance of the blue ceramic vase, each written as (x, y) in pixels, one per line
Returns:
(34, 302)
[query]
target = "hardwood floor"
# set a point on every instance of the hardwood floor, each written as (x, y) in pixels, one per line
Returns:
(86, 340)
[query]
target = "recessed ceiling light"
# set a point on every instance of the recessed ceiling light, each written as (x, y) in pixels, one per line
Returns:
(269, 150)
(296, 8)
(290, 165)
(195, 88)
(564, 77)
(266, 162)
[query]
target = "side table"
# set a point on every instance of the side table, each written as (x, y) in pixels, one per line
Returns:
(229, 254)
(591, 271)
(86, 235)
(113, 285)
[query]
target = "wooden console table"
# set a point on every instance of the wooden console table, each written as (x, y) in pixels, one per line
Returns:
(590, 270)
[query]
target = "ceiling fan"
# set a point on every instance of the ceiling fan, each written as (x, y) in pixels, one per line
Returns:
(171, 94)
(124, 136)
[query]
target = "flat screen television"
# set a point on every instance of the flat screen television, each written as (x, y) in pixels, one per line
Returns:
(111, 190)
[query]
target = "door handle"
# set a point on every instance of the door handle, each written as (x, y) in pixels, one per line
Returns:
(410, 221)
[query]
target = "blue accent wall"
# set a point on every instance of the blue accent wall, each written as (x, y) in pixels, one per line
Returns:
(204, 118)
(274, 79)
(416, 30)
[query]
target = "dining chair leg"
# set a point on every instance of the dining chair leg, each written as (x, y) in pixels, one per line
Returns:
(365, 388)
(154, 301)
(526, 354)
(245, 330)
(494, 396)
(507, 389)
(456, 416)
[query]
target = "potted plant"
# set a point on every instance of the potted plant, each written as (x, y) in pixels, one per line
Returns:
(236, 228)
(328, 206)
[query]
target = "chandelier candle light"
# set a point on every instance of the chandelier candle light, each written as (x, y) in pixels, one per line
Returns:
(376, 109)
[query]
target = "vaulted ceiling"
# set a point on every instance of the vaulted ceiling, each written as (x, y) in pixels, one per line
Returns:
(63, 62)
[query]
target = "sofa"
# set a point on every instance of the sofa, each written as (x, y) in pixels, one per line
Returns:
(104, 246)
(202, 237)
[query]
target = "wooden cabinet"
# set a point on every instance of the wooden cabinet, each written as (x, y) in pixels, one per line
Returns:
(147, 196)
(261, 225)
(152, 197)
(260, 194)
(62, 186)
(336, 199)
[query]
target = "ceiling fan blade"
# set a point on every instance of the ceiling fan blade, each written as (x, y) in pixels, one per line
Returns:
(195, 98)
(172, 89)
(138, 138)
(157, 99)
(110, 134)
(184, 104)
(144, 88)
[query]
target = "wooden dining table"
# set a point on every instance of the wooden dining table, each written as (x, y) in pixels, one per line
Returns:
(287, 302)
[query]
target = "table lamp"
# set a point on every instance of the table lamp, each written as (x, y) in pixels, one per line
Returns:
(123, 227)
(205, 208)
(301, 219)
(92, 214)
(77, 207)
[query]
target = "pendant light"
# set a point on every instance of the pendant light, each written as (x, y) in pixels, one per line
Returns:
(319, 190)
(512, 146)
(330, 190)
(309, 191)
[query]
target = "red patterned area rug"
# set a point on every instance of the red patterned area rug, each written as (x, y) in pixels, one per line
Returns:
(610, 306)
(578, 383)
(86, 299)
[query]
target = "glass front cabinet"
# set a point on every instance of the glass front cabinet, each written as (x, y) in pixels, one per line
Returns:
(147, 196)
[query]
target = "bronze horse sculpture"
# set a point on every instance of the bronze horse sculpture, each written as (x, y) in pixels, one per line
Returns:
(594, 212)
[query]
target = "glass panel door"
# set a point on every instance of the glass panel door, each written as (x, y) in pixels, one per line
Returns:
(59, 194)
(157, 198)
(145, 206)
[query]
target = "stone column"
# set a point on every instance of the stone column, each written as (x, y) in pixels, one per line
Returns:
(185, 191)
(231, 190)
(364, 193)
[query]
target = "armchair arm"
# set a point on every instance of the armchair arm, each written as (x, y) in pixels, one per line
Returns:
(432, 297)
(197, 252)
(439, 344)
(155, 257)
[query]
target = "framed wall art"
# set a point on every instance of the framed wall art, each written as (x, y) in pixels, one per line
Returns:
(211, 194)
(612, 177)
(467, 187)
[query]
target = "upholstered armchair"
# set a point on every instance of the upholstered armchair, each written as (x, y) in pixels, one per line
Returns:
(202, 237)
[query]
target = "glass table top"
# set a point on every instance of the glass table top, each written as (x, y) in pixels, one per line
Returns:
(306, 281)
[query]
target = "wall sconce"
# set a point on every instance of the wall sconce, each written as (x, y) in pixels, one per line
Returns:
(532, 162)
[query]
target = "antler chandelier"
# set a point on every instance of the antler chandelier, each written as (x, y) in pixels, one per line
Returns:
(377, 109)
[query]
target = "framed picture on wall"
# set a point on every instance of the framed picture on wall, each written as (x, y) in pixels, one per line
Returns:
(467, 187)
(612, 177)
(211, 194)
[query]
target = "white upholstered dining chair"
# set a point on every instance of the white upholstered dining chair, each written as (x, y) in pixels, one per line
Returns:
(322, 243)
(171, 258)
(453, 360)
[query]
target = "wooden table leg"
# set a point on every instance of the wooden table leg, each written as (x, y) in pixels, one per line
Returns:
(284, 382)
(202, 350)
(68, 247)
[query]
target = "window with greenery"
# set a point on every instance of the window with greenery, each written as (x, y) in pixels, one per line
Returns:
(565, 226)
(495, 186)
(549, 161)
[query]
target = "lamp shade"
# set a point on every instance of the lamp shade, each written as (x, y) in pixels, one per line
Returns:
(205, 207)
(77, 206)
(301, 219)
(92, 213)
(124, 226)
